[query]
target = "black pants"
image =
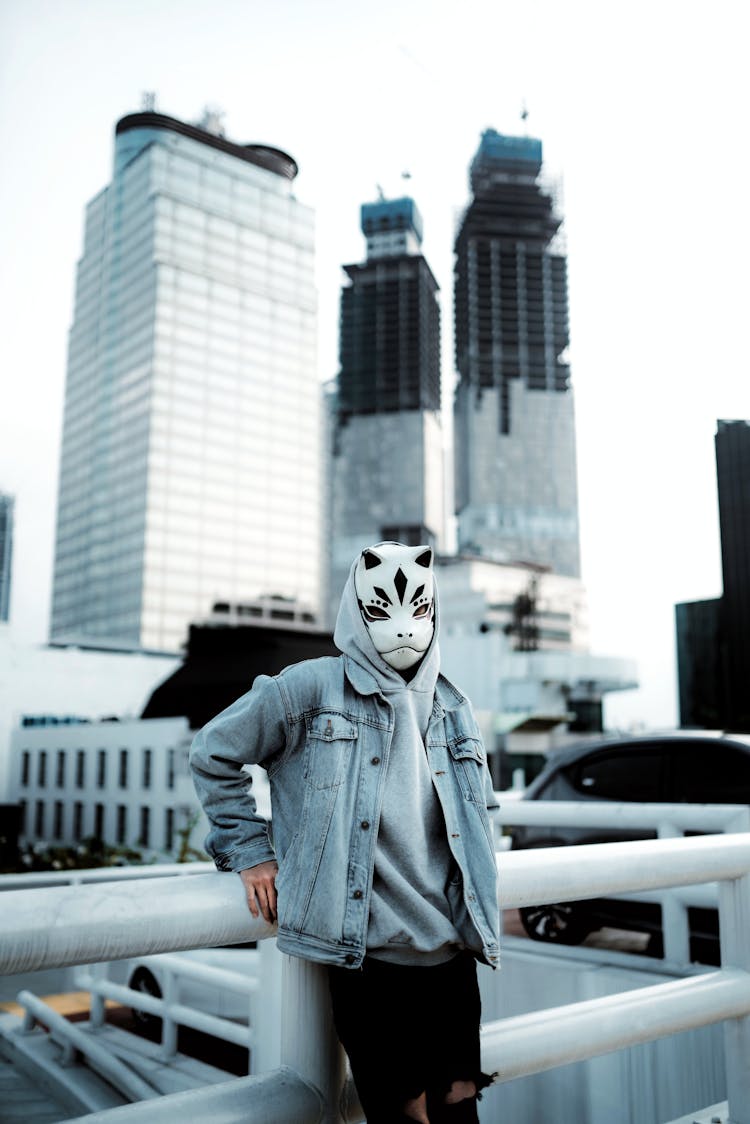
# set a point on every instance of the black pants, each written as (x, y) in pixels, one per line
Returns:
(410, 1030)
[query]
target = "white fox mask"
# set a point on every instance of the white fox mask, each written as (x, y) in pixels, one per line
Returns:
(395, 592)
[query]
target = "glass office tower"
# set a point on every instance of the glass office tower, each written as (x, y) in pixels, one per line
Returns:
(515, 453)
(190, 457)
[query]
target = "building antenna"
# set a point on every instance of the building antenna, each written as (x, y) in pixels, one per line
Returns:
(381, 193)
(524, 111)
(148, 101)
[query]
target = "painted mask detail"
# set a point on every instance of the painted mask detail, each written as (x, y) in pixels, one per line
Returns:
(395, 593)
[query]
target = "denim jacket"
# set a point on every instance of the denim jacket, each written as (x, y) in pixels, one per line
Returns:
(322, 730)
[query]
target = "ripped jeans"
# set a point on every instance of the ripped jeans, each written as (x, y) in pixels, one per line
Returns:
(409, 1030)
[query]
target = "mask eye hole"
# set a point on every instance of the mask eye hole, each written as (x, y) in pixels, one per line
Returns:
(373, 613)
(421, 611)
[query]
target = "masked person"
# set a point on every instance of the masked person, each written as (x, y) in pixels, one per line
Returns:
(386, 863)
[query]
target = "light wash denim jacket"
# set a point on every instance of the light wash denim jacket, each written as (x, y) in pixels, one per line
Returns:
(322, 730)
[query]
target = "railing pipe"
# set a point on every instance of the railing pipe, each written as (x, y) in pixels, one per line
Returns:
(110, 1067)
(594, 870)
(188, 969)
(61, 926)
(270, 1098)
(701, 896)
(526, 1044)
(34, 879)
(227, 1029)
(616, 815)
(64, 925)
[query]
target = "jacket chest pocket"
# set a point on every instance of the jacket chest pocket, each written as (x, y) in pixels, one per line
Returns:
(469, 765)
(330, 741)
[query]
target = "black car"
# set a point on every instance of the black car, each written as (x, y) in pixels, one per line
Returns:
(667, 768)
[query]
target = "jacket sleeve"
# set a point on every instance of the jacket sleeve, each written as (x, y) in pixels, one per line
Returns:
(249, 732)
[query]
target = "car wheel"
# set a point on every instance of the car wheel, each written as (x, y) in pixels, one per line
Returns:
(145, 981)
(561, 923)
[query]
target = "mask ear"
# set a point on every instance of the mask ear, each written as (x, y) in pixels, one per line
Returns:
(425, 558)
(371, 559)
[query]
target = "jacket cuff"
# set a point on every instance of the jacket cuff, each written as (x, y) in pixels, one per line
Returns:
(244, 857)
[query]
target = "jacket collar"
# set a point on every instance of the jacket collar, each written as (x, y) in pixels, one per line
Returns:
(447, 697)
(447, 694)
(360, 678)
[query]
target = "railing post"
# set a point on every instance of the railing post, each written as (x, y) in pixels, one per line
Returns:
(68, 1057)
(675, 924)
(169, 1026)
(734, 926)
(676, 929)
(740, 821)
(308, 1040)
(96, 1000)
(265, 1010)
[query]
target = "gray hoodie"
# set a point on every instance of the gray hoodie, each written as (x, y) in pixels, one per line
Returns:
(411, 920)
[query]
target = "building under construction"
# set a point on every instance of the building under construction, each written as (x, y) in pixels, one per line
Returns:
(387, 464)
(516, 493)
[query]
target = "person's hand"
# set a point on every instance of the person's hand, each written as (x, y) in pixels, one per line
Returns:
(260, 887)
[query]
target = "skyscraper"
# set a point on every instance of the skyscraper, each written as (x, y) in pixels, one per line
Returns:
(6, 553)
(190, 465)
(515, 456)
(733, 478)
(387, 464)
(713, 637)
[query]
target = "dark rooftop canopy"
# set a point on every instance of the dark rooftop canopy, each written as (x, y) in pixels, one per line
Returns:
(262, 155)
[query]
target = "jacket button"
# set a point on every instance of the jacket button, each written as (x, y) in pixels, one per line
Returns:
(357, 894)
(375, 761)
(349, 959)
(365, 825)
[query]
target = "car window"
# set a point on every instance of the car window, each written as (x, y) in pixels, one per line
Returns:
(625, 773)
(710, 774)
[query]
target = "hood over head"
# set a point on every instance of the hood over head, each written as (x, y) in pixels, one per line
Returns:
(388, 617)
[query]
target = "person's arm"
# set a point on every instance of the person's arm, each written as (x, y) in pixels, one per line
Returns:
(253, 730)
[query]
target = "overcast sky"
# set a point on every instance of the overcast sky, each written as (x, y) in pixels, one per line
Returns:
(642, 109)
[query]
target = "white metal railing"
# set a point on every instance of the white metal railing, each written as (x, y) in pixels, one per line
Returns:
(259, 982)
(83, 924)
(668, 821)
(71, 1038)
